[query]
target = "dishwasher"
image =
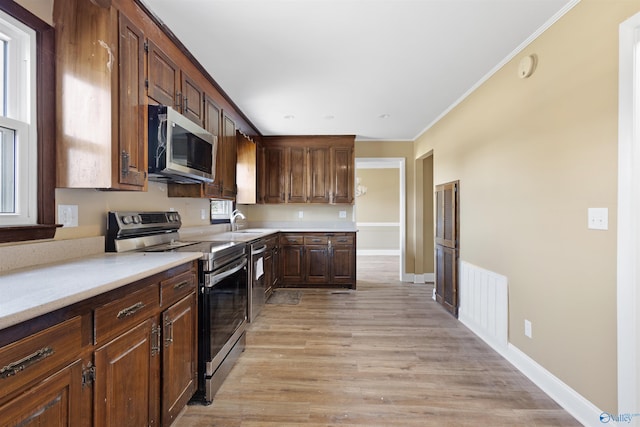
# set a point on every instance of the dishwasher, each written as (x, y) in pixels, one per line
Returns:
(257, 279)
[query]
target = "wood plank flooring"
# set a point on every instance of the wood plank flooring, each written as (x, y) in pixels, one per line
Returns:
(383, 355)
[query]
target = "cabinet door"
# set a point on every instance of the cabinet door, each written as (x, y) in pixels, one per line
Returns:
(229, 158)
(126, 387)
(212, 115)
(131, 147)
(274, 175)
(179, 358)
(163, 77)
(292, 267)
(319, 175)
(342, 174)
(192, 100)
(297, 179)
(343, 260)
(55, 401)
(316, 264)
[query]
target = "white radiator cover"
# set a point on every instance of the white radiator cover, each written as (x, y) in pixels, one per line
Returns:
(484, 304)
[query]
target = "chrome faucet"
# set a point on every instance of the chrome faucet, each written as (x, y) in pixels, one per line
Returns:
(234, 215)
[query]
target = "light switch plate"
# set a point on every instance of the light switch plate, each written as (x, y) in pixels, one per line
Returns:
(342, 214)
(598, 219)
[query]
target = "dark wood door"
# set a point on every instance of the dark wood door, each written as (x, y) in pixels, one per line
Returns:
(126, 389)
(179, 358)
(163, 77)
(342, 175)
(292, 268)
(131, 147)
(273, 175)
(55, 401)
(319, 175)
(212, 118)
(230, 156)
(343, 260)
(297, 179)
(446, 245)
(192, 100)
(316, 263)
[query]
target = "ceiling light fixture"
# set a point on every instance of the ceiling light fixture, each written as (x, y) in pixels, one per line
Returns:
(384, 116)
(289, 117)
(329, 117)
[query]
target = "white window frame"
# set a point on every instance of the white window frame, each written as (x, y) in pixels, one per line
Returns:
(21, 116)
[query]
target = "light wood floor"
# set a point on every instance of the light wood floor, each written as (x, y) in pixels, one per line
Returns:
(383, 355)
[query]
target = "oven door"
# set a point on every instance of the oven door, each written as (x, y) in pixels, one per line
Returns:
(224, 312)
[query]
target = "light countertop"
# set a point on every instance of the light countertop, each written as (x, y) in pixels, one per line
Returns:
(31, 292)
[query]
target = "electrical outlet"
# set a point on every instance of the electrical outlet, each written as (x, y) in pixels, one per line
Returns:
(300, 214)
(203, 214)
(527, 328)
(68, 215)
(598, 219)
(342, 214)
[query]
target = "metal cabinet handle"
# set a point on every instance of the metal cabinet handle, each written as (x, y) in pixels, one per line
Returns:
(130, 311)
(181, 285)
(168, 324)
(20, 365)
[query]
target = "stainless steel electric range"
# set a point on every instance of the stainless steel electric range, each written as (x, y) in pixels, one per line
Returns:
(223, 288)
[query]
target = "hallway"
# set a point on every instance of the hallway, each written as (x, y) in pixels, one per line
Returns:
(384, 355)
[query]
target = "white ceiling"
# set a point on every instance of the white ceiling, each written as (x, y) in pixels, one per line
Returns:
(379, 69)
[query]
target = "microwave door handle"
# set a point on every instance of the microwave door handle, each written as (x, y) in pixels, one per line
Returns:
(226, 273)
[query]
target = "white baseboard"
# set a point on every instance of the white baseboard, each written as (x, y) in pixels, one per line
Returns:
(580, 408)
(575, 404)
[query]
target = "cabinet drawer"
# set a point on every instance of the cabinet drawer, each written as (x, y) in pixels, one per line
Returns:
(316, 240)
(291, 239)
(117, 316)
(342, 240)
(177, 287)
(39, 354)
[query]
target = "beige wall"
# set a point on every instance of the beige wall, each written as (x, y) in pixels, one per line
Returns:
(380, 205)
(382, 200)
(94, 204)
(43, 9)
(532, 155)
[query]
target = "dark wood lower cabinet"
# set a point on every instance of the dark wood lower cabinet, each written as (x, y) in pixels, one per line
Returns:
(127, 357)
(54, 402)
(318, 259)
(179, 357)
(126, 379)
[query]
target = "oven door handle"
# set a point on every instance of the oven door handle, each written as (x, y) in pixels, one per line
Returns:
(216, 278)
(258, 251)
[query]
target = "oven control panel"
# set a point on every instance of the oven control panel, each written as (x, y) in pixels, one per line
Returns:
(129, 224)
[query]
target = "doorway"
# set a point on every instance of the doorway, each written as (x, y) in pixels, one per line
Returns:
(381, 224)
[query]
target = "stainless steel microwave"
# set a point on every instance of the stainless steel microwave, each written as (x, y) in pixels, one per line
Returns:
(179, 150)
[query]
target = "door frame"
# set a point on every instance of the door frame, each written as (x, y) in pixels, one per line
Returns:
(628, 237)
(393, 163)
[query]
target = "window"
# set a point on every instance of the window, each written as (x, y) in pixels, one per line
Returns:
(18, 135)
(27, 125)
(221, 211)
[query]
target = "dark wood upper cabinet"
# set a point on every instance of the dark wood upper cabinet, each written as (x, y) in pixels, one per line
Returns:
(297, 175)
(172, 86)
(272, 175)
(307, 169)
(319, 175)
(133, 124)
(342, 174)
(105, 150)
(163, 77)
